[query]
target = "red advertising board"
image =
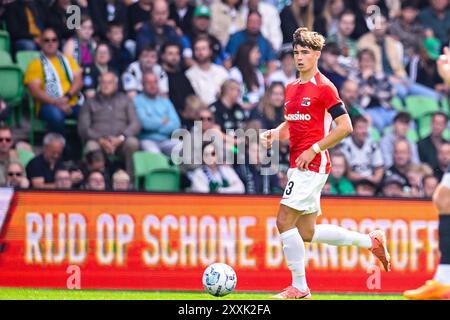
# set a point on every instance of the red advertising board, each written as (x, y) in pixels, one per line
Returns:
(164, 242)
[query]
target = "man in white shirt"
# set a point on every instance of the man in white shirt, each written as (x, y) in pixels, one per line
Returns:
(206, 77)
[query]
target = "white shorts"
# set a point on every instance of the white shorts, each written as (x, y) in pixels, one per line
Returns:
(303, 190)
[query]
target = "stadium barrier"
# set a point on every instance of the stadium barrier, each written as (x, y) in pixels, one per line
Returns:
(164, 242)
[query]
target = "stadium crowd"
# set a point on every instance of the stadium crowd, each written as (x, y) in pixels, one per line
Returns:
(137, 70)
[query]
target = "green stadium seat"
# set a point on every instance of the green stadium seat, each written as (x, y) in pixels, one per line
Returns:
(36, 125)
(5, 58)
(145, 162)
(25, 156)
(374, 134)
(163, 180)
(418, 106)
(445, 107)
(410, 135)
(5, 44)
(11, 89)
(424, 126)
(24, 58)
(397, 104)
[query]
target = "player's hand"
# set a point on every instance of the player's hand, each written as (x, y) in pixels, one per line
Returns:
(266, 139)
(305, 159)
(443, 65)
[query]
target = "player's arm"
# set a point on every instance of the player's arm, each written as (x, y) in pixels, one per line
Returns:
(280, 133)
(342, 129)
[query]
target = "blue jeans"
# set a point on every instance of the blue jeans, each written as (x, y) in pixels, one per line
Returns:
(25, 44)
(381, 117)
(415, 89)
(55, 117)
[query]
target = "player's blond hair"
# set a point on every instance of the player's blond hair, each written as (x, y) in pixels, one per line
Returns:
(309, 39)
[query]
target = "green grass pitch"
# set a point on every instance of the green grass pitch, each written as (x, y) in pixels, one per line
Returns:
(47, 294)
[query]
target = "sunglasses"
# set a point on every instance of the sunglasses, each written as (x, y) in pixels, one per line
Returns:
(50, 40)
(12, 174)
(206, 119)
(5, 139)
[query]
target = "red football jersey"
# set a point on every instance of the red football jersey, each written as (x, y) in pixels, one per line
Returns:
(306, 110)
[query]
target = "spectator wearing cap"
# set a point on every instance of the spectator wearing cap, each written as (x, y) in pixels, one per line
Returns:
(329, 65)
(158, 30)
(200, 27)
(227, 17)
(363, 155)
(399, 131)
(346, 26)
(287, 71)
(400, 166)
(271, 23)
(437, 17)
(252, 32)
(205, 76)
(181, 12)
(428, 147)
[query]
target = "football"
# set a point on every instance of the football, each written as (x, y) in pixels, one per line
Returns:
(219, 279)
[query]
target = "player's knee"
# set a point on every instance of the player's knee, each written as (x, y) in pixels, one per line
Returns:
(307, 234)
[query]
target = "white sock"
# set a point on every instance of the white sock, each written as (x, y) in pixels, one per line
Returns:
(442, 274)
(338, 236)
(294, 251)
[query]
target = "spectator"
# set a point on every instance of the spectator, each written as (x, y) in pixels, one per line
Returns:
(41, 169)
(364, 16)
(96, 161)
(54, 81)
(363, 155)
(63, 179)
(342, 37)
(393, 188)
(200, 27)
(148, 62)
(350, 98)
(271, 24)
(428, 146)
(328, 21)
(213, 177)
(15, 176)
(121, 181)
(181, 13)
(25, 21)
(158, 30)
(375, 91)
(430, 184)
(81, 47)
(91, 73)
(300, 13)
(205, 77)
(402, 162)
(95, 181)
(106, 11)
(329, 65)
(437, 18)
(443, 156)
(7, 153)
(179, 85)
(191, 111)
(138, 14)
(252, 32)
(254, 173)
(399, 131)
(416, 174)
(229, 114)
(287, 73)
(157, 116)
(247, 74)
(109, 122)
(58, 16)
(272, 106)
(339, 184)
(366, 188)
(227, 17)
(121, 56)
